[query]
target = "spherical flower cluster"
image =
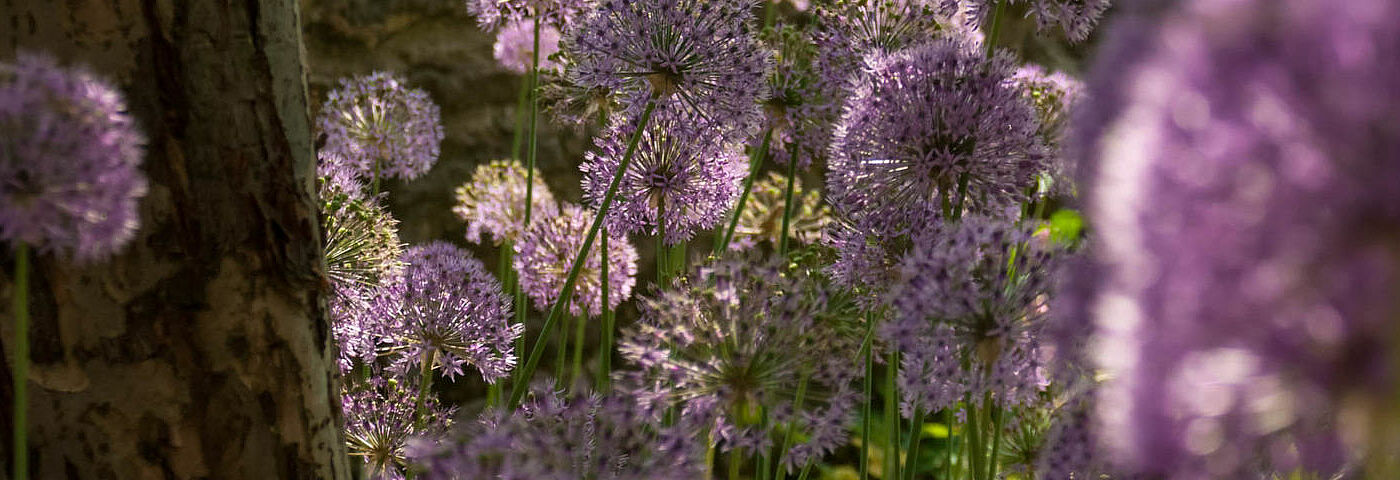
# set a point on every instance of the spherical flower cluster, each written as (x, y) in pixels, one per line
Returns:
(493, 202)
(868, 249)
(762, 218)
(362, 245)
(854, 34)
(561, 14)
(515, 46)
(1076, 18)
(1245, 196)
(1053, 95)
(970, 307)
(380, 128)
(575, 105)
(803, 106)
(546, 251)
(70, 159)
(736, 345)
(449, 311)
(938, 125)
(379, 420)
(555, 438)
(700, 57)
(683, 178)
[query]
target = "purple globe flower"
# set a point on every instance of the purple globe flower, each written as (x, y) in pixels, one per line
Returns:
(736, 345)
(561, 14)
(362, 246)
(762, 218)
(689, 177)
(69, 161)
(932, 125)
(379, 420)
(493, 202)
(804, 106)
(970, 308)
(515, 46)
(869, 248)
(449, 311)
(697, 57)
(380, 128)
(1245, 198)
(544, 253)
(555, 438)
(1076, 18)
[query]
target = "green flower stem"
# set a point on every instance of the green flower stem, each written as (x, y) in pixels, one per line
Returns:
(892, 415)
(948, 447)
(604, 379)
(997, 417)
(916, 431)
(787, 201)
(868, 354)
(764, 459)
(736, 460)
(559, 351)
(663, 260)
(677, 256)
(425, 383)
(755, 162)
(801, 395)
(806, 469)
(374, 180)
(522, 309)
(974, 441)
(995, 28)
(20, 375)
(576, 375)
(710, 455)
(560, 303)
(962, 197)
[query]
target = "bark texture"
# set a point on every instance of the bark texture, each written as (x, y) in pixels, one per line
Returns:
(202, 351)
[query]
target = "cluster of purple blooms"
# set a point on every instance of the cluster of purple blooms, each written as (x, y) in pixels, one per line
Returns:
(1229, 314)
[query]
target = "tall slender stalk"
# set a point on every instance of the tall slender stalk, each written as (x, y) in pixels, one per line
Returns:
(576, 374)
(995, 27)
(425, 384)
(801, 395)
(755, 162)
(555, 311)
(20, 375)
(736, 460)
(559, 351)
(604, 380)
(867, 351)
(663, 260)
(787, 200)
(892, 415)
(998, 416)
(911, 455)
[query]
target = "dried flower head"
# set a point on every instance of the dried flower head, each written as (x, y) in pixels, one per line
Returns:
(556, 438)
(449, 311)
(548, 248)
(379, 420)
(69, 161)
(939, 125)
(700, 57)
(762, 218)
(379, 127)
(686, 176)
(735, 345)
(515, 46)
(493, 202)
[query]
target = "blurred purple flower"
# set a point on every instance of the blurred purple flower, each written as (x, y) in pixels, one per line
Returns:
(735, 345)
(380, 128)
(515, 46)
(928, 124)
(493, 202)
(690, 172)
(448, 308)
(544, 253)
(561, 14)
(70, 156)
(1243, 175)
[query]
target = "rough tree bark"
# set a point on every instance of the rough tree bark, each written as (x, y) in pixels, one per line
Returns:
(203, 349)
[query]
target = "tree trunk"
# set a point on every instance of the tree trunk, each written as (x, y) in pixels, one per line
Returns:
(203, 349)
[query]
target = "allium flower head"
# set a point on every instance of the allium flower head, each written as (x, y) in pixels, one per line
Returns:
(362, 244)
(1053, 95)
(971, 294)
(803, 106)
(493, 202)
(690, 172)
(555, 438)
(762, 218)
(1076, 18)
(575, 105)
(69, 161)
(515, 46)
(548, 248)
(561, 14)
(929, 123)
(868, 249)
(379, 420)
(701, 57)
(1245, 195)
(378, 126)
(735, 345)
(449, 309)
(852, 31)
